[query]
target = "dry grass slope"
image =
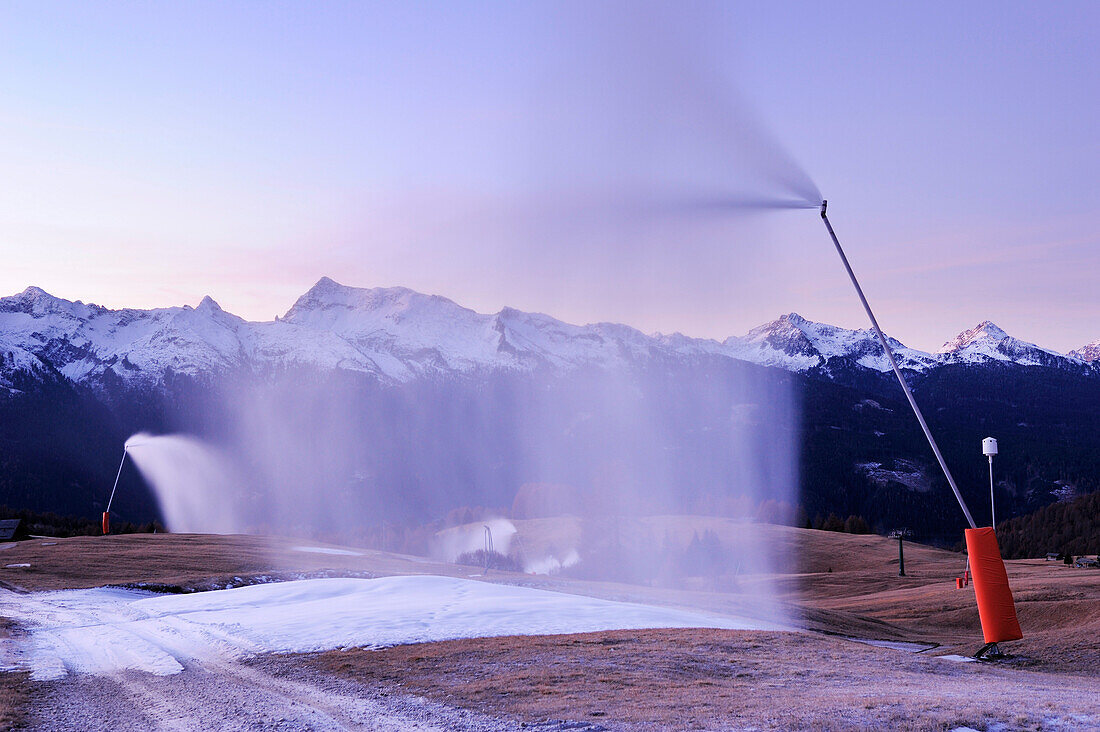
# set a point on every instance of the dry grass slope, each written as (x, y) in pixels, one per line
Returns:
(708, 679)
(13, 690)
(842, 585)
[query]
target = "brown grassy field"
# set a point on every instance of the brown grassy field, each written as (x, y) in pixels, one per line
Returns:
(1058, 606)
(842, 585)
(717, 679)
(183, 560)
(862, 596)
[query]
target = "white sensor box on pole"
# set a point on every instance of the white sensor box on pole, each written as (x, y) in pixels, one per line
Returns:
(989, 446)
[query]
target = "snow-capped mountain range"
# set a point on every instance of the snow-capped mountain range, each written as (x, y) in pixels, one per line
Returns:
(396, 334)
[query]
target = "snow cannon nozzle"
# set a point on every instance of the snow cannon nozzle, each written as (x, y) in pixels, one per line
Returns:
(824, 205)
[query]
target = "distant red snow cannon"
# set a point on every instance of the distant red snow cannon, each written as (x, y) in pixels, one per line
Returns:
(106, 523)
(996, 608)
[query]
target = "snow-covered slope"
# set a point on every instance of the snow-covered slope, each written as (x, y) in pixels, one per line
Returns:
(110, 630)
(16, 365)
(393, 333)
(84, 342)
(397, 334)
(986, 342)
(406, 333)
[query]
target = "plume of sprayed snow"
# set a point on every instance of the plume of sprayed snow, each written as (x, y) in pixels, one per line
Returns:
(625, 158)
(642, 109)
(653, 472)
(452, 543)
(551, 564)
(193, 481)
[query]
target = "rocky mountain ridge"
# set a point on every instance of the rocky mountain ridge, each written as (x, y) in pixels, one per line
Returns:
(396, 334)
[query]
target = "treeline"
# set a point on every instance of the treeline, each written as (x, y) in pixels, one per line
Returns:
(490, 560)
(851, 525)
(34, 523)
(1066, 528)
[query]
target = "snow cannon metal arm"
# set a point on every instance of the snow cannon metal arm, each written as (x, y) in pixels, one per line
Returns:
(996, 608)
(894, 365)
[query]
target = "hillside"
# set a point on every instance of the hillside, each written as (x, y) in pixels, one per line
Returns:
(876, 646)
(837, 583)
(1072, 527)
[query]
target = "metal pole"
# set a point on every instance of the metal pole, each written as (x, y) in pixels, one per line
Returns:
(115, 487)
(901, 556)
(897, 371)
(992, 509)
(488, 547)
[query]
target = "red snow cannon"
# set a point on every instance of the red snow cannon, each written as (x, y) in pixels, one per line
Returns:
(996, 609)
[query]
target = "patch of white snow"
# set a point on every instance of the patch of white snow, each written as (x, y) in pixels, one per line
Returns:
(105, 630)
(327, 550)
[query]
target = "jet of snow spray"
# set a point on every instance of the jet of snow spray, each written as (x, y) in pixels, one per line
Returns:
(600, 169)
(197, 488)
(894, 365)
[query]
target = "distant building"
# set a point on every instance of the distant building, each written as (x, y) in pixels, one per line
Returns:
(1087, 563)
(1053, 556)
(8, 527)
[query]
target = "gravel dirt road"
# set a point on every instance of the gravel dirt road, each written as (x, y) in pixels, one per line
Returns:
(234, 696)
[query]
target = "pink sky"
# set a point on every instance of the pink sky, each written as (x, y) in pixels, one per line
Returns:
(153, 155)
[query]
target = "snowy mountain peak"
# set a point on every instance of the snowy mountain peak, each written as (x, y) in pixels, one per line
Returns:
(984, 331)
(798, 344)
(794, 319)
(1088, 352)
(329, 295)
(325, 292)
(34, 293)
(786, 334)
(35, 301)
(791, 323)
(989, 328)
(986, 342)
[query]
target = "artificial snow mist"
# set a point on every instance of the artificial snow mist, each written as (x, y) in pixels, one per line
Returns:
(595, 451)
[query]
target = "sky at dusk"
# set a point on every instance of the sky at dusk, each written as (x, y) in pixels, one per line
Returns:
(569, 158)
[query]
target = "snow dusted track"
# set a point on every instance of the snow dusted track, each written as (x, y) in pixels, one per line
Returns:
(110, 630)
(231, 696)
